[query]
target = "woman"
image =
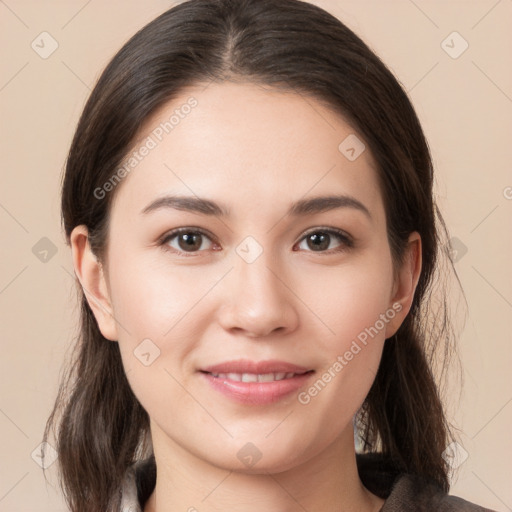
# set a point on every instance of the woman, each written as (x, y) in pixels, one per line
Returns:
(248, 200)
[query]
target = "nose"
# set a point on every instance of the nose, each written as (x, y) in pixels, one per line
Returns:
(258, 301)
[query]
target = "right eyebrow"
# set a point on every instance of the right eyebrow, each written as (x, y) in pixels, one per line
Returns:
(302, 207)
(188, 203)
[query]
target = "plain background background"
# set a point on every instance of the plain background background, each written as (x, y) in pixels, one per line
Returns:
(464, 104)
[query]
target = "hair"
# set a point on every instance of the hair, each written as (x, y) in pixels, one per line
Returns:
(292, 46)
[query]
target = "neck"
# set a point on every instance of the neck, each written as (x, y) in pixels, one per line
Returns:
(328, 482)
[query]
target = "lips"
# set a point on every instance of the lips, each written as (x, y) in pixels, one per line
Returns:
(255, 377)
(242, 366)
(252, 382)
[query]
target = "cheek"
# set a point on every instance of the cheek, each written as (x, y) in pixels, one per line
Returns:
(164, 310)
(349, 299)
(156, 308)
(354, 310)
(152, 300)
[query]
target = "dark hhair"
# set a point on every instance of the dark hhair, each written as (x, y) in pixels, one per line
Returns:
(289, 45)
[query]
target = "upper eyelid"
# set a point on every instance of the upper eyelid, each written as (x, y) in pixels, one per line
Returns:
(192, 229)
(336, 231)
(346, 238)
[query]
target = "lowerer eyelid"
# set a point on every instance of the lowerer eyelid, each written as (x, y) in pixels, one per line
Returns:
(163, 241)
(347, 240)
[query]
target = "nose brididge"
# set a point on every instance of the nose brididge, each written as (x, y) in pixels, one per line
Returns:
(257, 299)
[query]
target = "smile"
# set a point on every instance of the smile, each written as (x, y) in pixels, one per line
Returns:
(253, 377)
(256, 383)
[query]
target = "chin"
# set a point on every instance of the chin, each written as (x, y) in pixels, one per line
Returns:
(258, 458)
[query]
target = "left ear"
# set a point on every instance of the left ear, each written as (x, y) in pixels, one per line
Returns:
(406, 280)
